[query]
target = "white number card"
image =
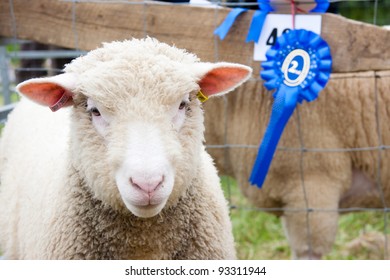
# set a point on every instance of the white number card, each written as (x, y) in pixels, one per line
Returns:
(276, 24)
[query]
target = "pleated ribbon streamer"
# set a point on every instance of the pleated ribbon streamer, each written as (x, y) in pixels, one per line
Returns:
(298, 66)
(259, 16)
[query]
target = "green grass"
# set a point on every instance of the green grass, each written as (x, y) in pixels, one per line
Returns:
(260, 235)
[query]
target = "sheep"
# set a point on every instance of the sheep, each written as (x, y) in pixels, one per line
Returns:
(120, 171)
(349, 113)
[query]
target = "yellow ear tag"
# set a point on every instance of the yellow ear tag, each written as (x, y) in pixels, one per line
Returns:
(202, 98)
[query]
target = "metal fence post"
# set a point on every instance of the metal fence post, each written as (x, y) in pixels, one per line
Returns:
(5, 82)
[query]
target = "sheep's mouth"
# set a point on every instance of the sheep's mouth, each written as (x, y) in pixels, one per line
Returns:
(146, 211)
(147, 207)
(147, 204)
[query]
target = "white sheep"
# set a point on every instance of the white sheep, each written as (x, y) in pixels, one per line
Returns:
(121, 173)
(330, 154)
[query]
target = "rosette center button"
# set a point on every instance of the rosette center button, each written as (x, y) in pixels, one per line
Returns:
(296, 67)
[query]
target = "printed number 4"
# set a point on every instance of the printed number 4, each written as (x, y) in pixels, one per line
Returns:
(274, 35)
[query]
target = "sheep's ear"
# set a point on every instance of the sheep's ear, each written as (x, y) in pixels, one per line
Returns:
(217, 79)
(55, 92)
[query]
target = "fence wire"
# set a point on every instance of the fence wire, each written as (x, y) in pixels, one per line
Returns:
(225, 146)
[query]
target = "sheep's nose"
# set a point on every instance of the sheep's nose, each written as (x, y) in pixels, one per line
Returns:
(148, 185)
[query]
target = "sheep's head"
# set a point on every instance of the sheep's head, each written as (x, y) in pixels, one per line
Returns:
(137, 124)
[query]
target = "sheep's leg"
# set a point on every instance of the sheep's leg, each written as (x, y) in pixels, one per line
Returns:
(310, 218)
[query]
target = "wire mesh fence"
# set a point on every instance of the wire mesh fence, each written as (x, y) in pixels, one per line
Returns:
(244, 214)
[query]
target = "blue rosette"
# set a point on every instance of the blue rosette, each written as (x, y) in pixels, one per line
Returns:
(298, 66)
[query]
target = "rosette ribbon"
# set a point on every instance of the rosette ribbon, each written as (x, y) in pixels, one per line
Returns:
(298, 66)
(259, 16)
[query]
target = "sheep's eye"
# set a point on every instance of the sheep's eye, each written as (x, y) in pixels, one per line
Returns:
(182, 105)
(95, 112)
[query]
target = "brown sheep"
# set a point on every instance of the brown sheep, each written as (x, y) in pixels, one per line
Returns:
(311, 175)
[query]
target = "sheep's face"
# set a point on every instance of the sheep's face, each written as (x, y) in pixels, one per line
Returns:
(137, 125)
(150, 149)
